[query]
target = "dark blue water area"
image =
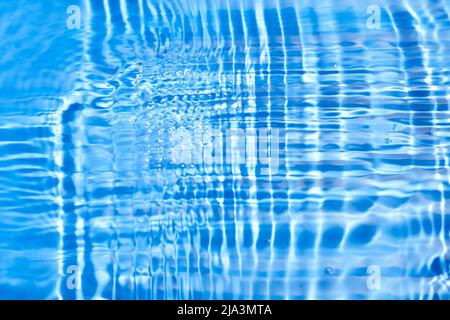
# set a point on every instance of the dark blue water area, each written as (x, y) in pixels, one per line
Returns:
(224, 149)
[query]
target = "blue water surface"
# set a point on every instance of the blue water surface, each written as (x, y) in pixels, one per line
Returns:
(214, 149)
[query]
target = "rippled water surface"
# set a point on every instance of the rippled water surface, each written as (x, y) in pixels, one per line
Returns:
(224, 149)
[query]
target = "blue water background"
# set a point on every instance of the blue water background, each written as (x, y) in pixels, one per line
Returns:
(87, 190)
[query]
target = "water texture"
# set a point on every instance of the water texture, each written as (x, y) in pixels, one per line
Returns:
(195, 149)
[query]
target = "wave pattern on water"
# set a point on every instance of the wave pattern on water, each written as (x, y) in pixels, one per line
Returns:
(120, 144)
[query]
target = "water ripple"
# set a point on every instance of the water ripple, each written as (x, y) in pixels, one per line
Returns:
(225, 150)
